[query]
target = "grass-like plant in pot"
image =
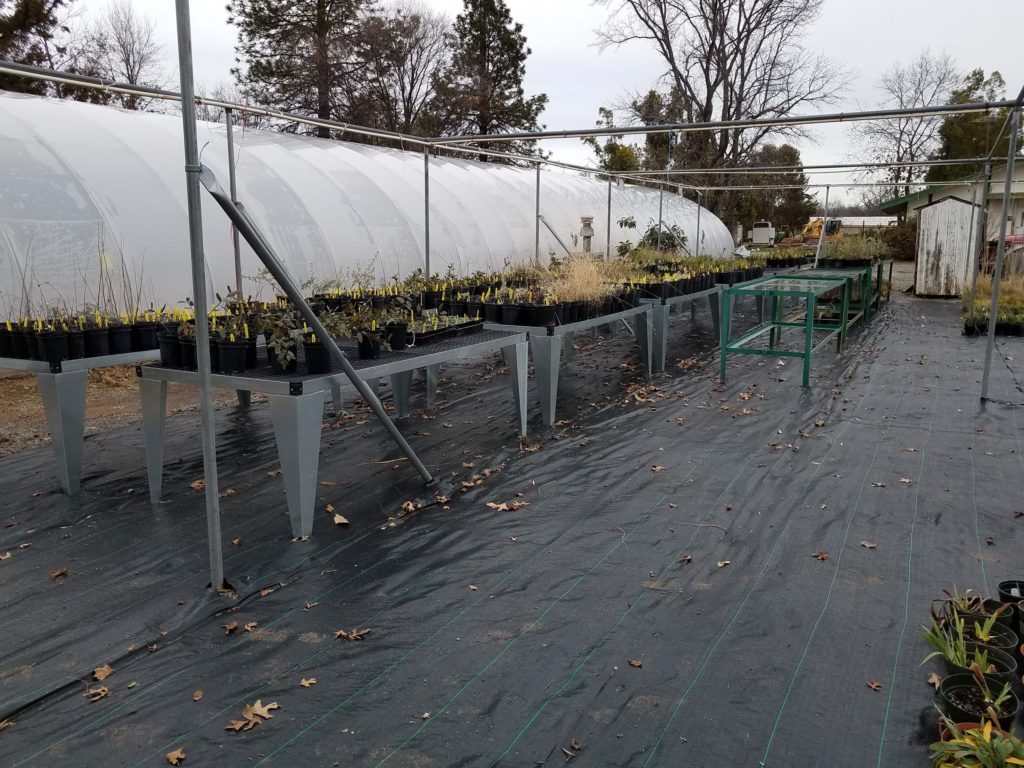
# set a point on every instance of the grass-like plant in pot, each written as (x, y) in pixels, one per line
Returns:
(947, 637)
(976, 745)
(969, 696)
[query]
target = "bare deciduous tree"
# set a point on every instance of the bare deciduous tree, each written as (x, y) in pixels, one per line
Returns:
(925, 82)
(728, 60)
(127, 49)
(228, 92)
(404, 46)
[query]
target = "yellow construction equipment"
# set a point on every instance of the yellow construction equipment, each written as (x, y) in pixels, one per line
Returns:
(812, 232)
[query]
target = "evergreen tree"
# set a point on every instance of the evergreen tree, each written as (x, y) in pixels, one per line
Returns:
(301, 56)
(481, 91)
(785, 208)
(26, 27)
(971, 135)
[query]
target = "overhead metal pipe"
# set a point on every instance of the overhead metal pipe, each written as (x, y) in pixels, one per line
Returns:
(259, 244)
(839, 167)
(1001, 245)
(202, 331)
(717, 125)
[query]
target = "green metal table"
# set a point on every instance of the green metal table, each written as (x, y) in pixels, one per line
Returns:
(778, 289)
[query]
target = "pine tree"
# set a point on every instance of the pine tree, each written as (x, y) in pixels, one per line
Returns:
(301, 56)
(26, 27)
(481, 91)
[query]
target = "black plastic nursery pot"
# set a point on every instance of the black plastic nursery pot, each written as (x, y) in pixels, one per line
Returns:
(170, 349)
(251, 360)
(188, 354)
(380, 302)
(231, 356)
(275, 364)
(397, 336)
(492, 312)
(76, 345)
(475, 309)
(961, 700)
(19, 344)
(1005, 665)
(120, 339)
(457, 307)
(510, 314)
(318, 357)
(1003, 638)
(369, 345)
(6, 343)
(53, 346)
(97, 342)
(430, 299)
(144, 336)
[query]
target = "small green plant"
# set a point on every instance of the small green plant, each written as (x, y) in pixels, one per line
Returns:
(983, 630)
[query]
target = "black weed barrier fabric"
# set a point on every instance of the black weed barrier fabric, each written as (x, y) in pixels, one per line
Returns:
(680, 574)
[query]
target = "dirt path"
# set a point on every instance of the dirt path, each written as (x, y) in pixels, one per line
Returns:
(112, 401)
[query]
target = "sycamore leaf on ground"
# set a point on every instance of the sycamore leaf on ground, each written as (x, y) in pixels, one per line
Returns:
(934, 680)
(230, 627)
(198, 695)
(95, 694)
(635, 663)
(874, 685)
(340, 519)
(307, 682)
(723, 563)
(102, 673)
(820, 555)
(867, 544)
(175, 757)
(355, 634)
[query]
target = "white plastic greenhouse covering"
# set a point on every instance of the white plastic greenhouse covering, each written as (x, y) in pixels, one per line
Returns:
(83, 186)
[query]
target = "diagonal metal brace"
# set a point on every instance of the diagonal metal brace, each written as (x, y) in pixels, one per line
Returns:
(248, 229)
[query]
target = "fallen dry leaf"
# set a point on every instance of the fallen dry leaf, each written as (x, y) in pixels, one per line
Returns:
(225, 494)
(237, 542)
(259, 709)
(820, 555)
(274, 473)
(990, 541)
(198, 695)
(250, 626)
(874, 685)
(686, 559)
(657, 468)
(307, 682)
(329, 508)
(102, 673)
(878, 485)
(355, 634)
(6, 556)
(300, 538)
(95, 694)
(198, 485)
(328, 483)
(934, 680)
(905, 480)
(6, 724)
(59, 574)
(723, 563)
(175, 757)
(424, 715)
(310, 606)
(236, 725)
(340, 519)
(230, 627)
(867, 544)
(635, 663)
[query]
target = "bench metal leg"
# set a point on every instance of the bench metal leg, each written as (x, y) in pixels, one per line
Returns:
(517, 360)
(547, 357)
(659, 319)
(433, 371)
(808, 341)
(401, 383)
(154, 410)
(645, 337)
(714, 307)
(297, 426)
(244, 397)
(63, 396)
(693, 310)
(724, 336)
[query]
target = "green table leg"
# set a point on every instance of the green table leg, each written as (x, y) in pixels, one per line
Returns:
(808, 340)
(844, 316)
(726, 322)
(775, 322)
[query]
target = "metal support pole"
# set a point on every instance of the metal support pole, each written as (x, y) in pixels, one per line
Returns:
(233, 187)
(195, 231)
(1001, 246)
(824, 226)
(426, 211)
(608, 234)
(979, 243)
(661, 207)
(696, 248)
(536, 222)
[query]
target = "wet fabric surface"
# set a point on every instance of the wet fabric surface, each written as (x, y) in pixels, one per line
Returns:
(655, 600)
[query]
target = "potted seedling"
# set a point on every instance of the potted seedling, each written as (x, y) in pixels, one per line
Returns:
(970, 696)
(960, 655)
(187, 343)
(97, 335)
(975, 745)
(318, 356)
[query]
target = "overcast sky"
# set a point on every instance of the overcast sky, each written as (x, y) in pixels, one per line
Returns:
(866, 36)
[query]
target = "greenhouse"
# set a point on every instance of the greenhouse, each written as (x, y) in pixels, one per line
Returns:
(83, 183)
